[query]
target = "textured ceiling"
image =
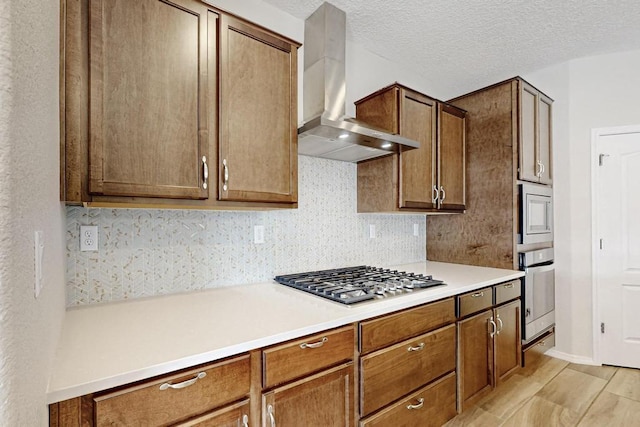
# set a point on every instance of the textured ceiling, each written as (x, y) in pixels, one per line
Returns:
(461, 45)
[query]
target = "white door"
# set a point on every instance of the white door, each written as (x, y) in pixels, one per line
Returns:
(617, 255)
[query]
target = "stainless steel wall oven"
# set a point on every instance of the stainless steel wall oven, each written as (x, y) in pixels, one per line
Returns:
(538, 291)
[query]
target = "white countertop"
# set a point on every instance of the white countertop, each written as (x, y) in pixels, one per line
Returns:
(110, 345)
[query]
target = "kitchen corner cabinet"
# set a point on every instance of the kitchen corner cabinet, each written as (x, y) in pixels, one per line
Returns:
(429, 178)
(505, 123)
(534, 160)
(489, 345)
(175, 104)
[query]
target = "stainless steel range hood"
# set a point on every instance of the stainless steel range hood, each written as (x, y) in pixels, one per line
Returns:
(326, 131)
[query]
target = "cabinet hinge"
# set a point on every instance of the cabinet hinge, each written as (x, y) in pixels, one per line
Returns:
(601, 158)
(602, 327)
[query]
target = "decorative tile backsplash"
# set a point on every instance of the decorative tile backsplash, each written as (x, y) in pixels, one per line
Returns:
(145, 252)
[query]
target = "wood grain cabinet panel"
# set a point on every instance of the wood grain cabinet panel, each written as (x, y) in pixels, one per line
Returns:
(324, 399)
(147, 110)
(258, 115)
(392, 328)
(388, 374)
(431, 406)
(154, 403)
(535, 135)
(475, 355)
(508, 343)
(298, 358)
(413, 179)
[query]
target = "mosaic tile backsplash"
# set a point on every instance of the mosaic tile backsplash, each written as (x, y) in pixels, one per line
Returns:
(145, 252)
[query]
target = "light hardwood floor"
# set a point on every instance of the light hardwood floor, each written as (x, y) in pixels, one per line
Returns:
(553, 392)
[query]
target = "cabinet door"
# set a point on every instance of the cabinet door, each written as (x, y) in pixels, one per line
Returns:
(508, 352)
(475, 356)
(528, 106)
(417, 166)
(544, 139)
(451, 157)
(258, 147)
(148, 75)
(324, 399)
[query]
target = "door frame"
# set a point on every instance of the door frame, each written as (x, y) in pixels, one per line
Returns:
(596, 135)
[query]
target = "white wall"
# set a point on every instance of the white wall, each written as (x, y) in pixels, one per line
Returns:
(29, 138)
(589, 93)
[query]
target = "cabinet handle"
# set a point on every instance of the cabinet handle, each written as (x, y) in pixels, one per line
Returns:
(539, 173)
(225, 183)
(494, 327)
(508, 286)
(245, 420)
(444, 195)
(543, 168)
(541, 343)
(500, 323)
(184, 384)
(419, 405)
(205, 172)
(477, 295)
(436, 193)
(272, 418)
(416, 348)
(314, 344)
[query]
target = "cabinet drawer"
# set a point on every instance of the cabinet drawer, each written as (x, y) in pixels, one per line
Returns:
(153, 403)
(310, 354)
(393, 328)
(507, 291)
(230, 416)
(433, 405)
(475, 301)
(393, 372)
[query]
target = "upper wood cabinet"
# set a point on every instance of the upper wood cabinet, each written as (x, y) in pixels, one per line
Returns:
(534, 135)
(175, 104)
(258, 115)
(428, 178)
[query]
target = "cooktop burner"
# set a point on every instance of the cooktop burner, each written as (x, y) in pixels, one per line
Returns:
(356, 284)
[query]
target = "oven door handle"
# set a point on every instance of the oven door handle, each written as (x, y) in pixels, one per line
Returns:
(539, 268)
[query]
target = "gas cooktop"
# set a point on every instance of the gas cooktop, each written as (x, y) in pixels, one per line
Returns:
(357, 284)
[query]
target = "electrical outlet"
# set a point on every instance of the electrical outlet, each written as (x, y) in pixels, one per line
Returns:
(416, 230)
(372, 231)
(258, 234)
(88, 238)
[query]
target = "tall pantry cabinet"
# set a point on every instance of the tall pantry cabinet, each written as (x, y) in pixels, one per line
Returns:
(508, 138)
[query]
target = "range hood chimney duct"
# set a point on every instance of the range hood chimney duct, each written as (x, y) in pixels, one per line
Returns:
(326, 131)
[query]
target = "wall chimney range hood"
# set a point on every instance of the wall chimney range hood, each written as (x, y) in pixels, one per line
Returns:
(326, 131)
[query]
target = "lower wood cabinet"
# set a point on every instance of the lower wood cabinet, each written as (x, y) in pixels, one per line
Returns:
(323, 399)
(236, 415)
(489, 347)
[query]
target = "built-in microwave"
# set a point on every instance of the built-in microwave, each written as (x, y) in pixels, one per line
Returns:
(535, 214)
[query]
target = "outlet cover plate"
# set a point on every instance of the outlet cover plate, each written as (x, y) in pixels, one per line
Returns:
(88, 238)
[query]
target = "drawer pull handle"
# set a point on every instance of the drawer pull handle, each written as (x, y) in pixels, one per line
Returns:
(508, 286)
(245, 420)
(416, 348)
(184, 384)
(477, 295)
(542, 343)
(419, 405)
(272, 418)
(314, 344)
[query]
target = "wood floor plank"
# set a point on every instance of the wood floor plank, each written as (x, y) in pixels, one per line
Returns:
(509, 396)
(540, 412)
(573, 390)
(626, 383)
(612, 410)
(474, 417)
(604, 372)
(543, 368)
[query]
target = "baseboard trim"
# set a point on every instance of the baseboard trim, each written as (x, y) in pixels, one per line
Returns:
(582, 360)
